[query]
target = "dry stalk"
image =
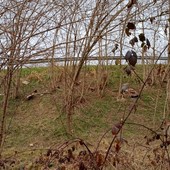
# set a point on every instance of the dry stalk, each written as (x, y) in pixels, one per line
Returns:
(132, 108)
(7, 86)
(94, 34)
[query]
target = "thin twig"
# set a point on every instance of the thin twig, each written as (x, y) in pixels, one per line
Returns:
(102, 138)
(133, 107)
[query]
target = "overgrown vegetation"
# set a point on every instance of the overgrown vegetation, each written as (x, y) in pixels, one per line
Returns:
(37, 133)
(105, 113)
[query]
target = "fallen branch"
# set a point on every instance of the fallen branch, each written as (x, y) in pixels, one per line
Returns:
(34, 94)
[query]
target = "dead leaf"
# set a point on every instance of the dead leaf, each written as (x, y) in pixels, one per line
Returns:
(124, 87)
(152, 19)
(142, 37)
(25, 82)
(148, 43)
(131, 57)
(143, 43)
(131, 25)
(31, 144)
(115, 48)
(49, 152)
(133, 41)
(144, 48)
(166, 29)
(117, 147)
(99, 159)
(127, 70)
(127, 32)
(115, 130)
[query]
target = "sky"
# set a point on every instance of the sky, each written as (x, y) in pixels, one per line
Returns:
(62, 13)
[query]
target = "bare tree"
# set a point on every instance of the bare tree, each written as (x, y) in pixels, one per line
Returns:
(25, 33)
(76, 30)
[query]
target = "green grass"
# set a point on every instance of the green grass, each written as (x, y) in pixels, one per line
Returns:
(42, 121)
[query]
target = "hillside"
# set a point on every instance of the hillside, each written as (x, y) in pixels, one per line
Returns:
(38, 123)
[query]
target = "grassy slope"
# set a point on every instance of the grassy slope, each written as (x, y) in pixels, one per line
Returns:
(42, 123)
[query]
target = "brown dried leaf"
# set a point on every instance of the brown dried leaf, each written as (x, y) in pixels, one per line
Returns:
(142, 37)
(118, 125)
(117, 147)
(131, 25)
(115, 48)
(49, 152)
(115, 130)
(131, 57)
(144, 48)
(99, 159)
(131, 42)
(166, 29)
(152, 19)
(148, 43)
(127, 32)
(127, 70)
